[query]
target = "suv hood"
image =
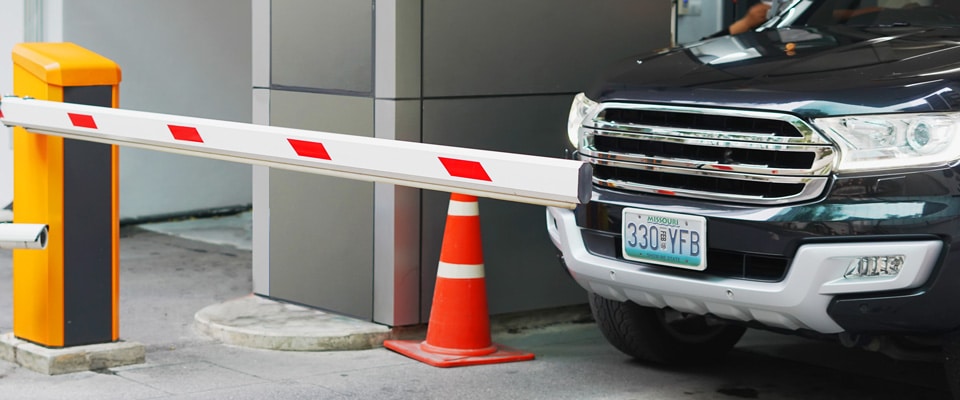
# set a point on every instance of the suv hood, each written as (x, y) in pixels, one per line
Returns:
(810, 72)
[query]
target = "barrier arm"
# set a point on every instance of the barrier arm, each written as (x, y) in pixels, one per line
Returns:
(507, 176)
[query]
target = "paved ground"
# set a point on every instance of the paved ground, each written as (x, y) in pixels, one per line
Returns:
(165, 280)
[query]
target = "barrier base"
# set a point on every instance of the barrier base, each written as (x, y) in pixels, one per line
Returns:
(55, 361)
(412, 349)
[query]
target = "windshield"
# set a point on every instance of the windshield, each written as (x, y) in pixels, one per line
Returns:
(890, 13)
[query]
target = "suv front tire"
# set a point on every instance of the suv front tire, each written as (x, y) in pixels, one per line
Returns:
(662, 336)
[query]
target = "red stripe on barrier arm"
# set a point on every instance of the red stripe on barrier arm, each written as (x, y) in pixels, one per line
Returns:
(309, 149)
(82, 120)
(185, 133)
(465, 169)
(1, 113)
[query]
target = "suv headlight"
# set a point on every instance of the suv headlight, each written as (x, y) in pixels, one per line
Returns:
(581, 107)
(872, 142)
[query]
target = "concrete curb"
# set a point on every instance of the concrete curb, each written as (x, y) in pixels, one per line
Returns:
(253, 321)
(257, 322)
(69, 359)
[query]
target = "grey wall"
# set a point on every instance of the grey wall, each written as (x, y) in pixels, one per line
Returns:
(323, 45)
(180, 57)
(320, 247)
(499, 75)
(493, 74)
(321, 239)
(521, 264)
(499, 47)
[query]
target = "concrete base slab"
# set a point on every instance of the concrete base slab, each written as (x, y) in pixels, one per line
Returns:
(254, 321)
(69, 359)
(258, 322)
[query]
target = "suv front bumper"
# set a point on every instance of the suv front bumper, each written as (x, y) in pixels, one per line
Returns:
(799, 301)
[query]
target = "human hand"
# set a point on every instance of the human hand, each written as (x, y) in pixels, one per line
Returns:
(756, 15)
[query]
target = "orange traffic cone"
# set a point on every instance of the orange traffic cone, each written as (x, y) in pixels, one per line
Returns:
(459, 330)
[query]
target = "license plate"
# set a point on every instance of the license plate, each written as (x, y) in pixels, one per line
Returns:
(676, 240)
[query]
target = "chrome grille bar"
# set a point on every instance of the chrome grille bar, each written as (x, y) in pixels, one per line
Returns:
(683, 157)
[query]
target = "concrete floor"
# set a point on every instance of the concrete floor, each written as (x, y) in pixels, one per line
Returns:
(232, 230)
(166, 279)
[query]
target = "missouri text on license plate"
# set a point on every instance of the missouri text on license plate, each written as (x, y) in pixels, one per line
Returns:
(676, 240)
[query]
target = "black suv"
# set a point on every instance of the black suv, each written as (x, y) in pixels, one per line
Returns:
(802, 177)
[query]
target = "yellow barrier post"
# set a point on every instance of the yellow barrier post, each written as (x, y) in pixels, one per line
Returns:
(66, 295)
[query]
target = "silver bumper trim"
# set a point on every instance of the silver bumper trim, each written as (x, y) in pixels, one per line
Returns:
(799, 301)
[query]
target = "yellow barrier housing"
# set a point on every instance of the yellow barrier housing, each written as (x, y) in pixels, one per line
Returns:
(67, 294)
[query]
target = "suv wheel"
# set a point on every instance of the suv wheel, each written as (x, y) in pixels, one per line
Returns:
(662, 335)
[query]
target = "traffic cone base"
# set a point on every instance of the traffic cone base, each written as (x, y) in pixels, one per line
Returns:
(482, 351)
(458, 333)
(415, 350)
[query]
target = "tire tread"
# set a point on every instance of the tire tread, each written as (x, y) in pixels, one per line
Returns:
(637, 332)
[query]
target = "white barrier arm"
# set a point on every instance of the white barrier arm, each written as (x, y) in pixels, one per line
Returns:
(507, 176)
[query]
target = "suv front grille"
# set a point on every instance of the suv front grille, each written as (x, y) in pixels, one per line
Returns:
(719, 186)
(727, 155)
(701, 121)
(718, 155)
